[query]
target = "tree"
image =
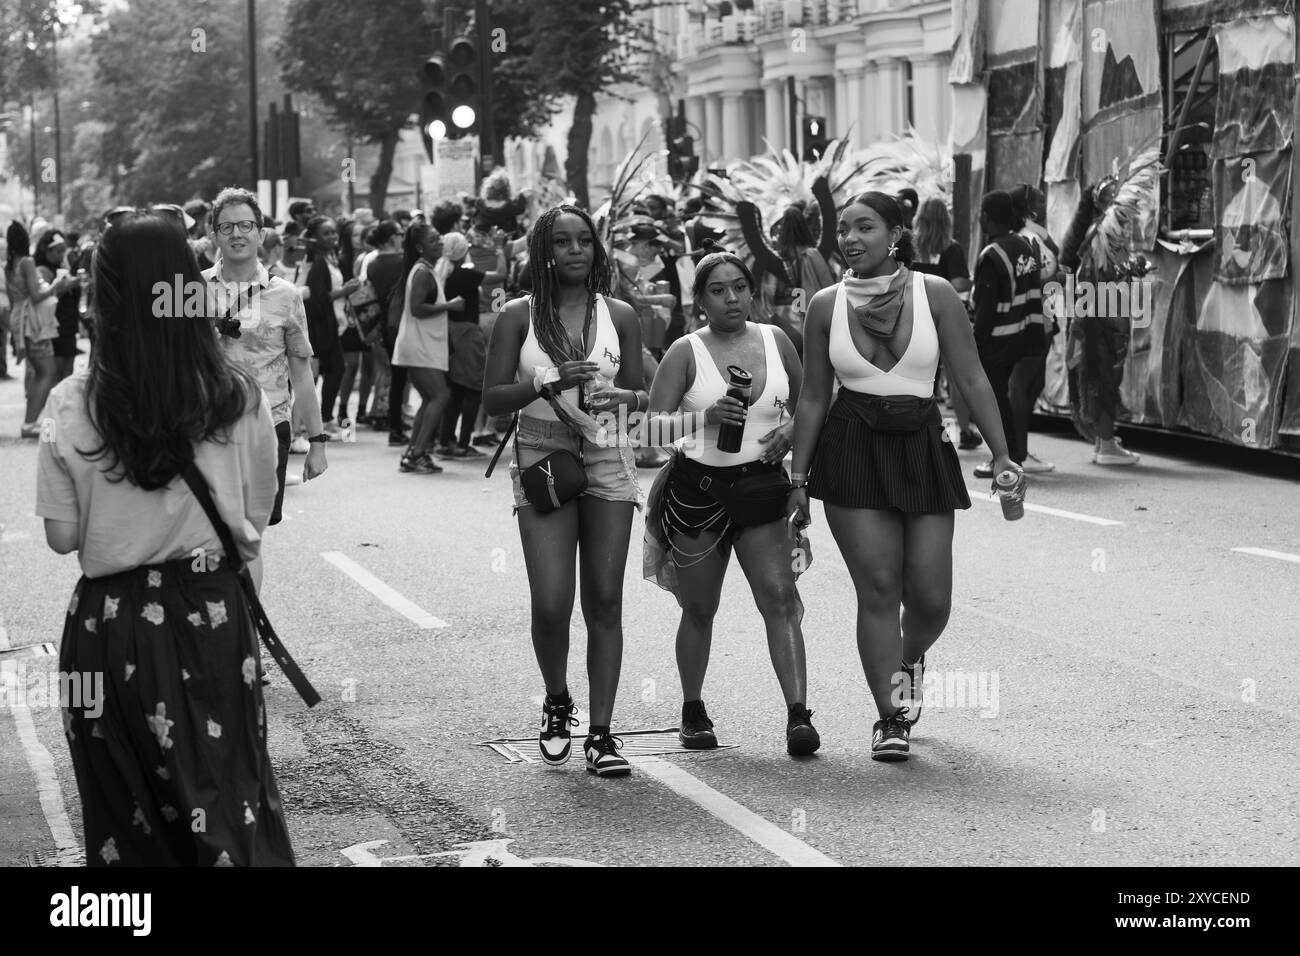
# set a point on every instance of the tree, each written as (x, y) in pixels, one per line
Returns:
(580, 48)
(362, 62)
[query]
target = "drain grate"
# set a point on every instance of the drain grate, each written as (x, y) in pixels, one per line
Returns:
(636, 743)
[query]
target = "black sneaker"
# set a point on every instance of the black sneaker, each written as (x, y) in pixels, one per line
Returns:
(554, 739)
(397, 439)
(914, 692)
(985, 470)
(696, 732)
(423, 465)
(801, 737)
(889, 737)
(486, 440)
(603, 758)
(969, 439)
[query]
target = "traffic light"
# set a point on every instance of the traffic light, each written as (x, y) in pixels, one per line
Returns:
(435, 118)
(815, 139)
(463, 86)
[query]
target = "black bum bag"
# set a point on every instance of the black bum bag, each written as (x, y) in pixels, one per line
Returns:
(752, 494)
(889, 413)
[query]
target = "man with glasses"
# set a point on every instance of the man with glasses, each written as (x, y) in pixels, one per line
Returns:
(263, 326)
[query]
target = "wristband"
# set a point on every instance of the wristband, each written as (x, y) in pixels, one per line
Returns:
(798, 483)
(318, 439)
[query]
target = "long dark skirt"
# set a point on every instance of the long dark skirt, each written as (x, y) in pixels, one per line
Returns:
(175, 770)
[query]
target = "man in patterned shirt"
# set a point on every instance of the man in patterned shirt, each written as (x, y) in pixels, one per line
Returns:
(271, 338)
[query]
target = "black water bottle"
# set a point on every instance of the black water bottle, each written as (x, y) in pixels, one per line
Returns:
(729, 434)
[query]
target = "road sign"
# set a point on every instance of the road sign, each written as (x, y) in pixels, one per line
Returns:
(455, 160)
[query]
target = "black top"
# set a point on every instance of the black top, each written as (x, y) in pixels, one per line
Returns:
(951, 264)
(385, 274)
(464, 282)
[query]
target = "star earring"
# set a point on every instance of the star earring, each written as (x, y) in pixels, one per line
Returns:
(893, 250)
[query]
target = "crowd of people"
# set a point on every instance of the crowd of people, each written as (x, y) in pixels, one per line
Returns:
(518, 331)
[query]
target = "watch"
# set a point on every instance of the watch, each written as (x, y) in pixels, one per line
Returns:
(321, 438)
(798, 482)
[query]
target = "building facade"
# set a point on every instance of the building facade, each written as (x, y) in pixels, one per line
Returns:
(870, 68)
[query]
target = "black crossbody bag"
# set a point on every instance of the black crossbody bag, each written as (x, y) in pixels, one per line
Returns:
(559, 477)
(194, 478)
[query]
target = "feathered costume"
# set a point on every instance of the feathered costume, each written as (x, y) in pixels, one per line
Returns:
(1098, 248)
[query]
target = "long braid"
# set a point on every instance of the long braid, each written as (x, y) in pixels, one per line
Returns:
(547, 325)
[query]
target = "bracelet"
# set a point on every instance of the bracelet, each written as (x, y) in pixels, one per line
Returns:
(799, 476)
(798, 483)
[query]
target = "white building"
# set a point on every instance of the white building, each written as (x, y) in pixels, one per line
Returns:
(871, 68)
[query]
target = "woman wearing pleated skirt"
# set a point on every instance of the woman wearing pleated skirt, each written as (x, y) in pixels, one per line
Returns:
(878, 457)
(164, 712)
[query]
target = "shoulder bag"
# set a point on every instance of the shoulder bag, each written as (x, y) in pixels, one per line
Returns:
(559, 477)
(194, 478)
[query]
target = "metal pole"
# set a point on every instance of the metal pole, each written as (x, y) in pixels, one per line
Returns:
(794, 117)
(352, 184)
(252, 91)
(36, 175)
(58, 133)
(487, 137)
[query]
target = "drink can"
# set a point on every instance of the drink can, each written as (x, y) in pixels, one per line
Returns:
(1011, 487)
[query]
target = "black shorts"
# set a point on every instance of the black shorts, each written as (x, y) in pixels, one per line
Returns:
(283, 436)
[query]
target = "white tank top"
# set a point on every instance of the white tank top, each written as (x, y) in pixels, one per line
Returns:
(914, 373)
(765, 412)
(604, 351)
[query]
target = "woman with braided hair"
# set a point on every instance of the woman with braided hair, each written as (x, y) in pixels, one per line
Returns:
(569, 346)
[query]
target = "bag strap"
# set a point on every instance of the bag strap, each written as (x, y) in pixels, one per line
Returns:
(501, 446)
(194, 478)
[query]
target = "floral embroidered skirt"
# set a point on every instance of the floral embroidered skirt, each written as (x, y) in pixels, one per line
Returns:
(171, 757)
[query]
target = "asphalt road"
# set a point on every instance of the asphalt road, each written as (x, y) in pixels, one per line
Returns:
(1146, 703)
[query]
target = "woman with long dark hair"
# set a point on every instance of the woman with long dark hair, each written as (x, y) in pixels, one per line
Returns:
(168, 734)
(422, 346)
(567, 345)
(33, 305)
(325, 298)
(707, 501)
(877, 458)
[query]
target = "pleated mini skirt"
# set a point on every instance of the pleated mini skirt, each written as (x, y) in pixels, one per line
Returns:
(863, 462)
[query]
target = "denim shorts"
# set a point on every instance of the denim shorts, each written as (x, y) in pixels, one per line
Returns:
(611, 472)
(44, 348)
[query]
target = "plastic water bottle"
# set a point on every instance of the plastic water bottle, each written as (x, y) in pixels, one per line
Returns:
(730, 435)
(347, 430)
(1011, 491)
(951, 433)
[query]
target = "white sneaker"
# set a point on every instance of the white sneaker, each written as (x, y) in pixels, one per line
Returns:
(299, 446)
(1115, 454)
(1033, 465)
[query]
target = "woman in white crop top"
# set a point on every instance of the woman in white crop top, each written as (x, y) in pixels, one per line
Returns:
(878, 457)
(538, 346)
(707, 501)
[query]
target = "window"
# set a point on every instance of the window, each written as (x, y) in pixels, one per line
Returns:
(1191, 69)
(909, 96)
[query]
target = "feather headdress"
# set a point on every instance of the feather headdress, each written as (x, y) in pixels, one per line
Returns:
(1128, 216)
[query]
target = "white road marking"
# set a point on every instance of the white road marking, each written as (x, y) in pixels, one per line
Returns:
(763, 832)
(69, 851)
(382, 591)
(1265, 553)
(1043, 509)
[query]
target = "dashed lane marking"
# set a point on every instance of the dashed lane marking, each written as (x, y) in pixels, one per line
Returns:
(47, 781)
(379, 589)
(763, 832)
(1043, 509)
(1265, 553)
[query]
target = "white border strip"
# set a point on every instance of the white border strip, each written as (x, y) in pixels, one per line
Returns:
(69, 850)
(763, 832)
(1265, 553)
(1043, 509)
(379, 589)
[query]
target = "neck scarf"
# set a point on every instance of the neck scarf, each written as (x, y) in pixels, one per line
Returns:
(877, 302)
